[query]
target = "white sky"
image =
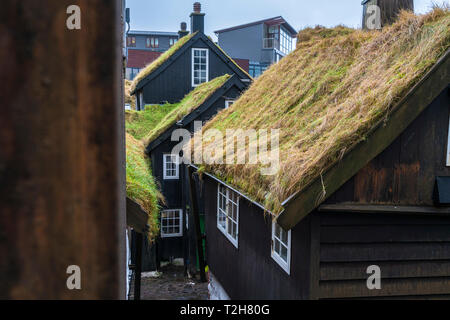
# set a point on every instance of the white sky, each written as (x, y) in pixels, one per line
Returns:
(166, 15)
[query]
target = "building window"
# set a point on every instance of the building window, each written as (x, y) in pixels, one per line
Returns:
(152, 42)
(172, 223)
(281, 246)
(285, 42)
(171, 167)
(257, 69)
(200, 68)
(448, 147)
(228, 213)
(131, 42)
(228, 103)
(172, 41)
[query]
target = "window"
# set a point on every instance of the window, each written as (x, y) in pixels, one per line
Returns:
(281, 246)
(171, 165)
(286, 42)
(200, 68)
(228, 213)
(172, 223)
(172, 41)
(256, 69)
(152, 42)
(131, 41)
(448, 147)
(228, 103)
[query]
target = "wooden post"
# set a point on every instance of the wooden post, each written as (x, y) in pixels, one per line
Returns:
(196, 215)
(138, 268)
(62, 190)
(389, 10)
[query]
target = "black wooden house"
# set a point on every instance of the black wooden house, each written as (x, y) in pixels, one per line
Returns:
(380, 201)
(177, 238)
(193, 60)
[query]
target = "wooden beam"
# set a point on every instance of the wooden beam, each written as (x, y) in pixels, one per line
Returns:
(409, 108)
(196, 215)
(137, 218)
(62, 190)
(138, 266)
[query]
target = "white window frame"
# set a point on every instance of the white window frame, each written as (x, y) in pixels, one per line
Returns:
(177, 168)
(172, 235)
(448, 145)
(192, 65)
(229, 103)
(220, 212)
(285, 265)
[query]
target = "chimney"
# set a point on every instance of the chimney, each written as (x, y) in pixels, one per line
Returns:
(197, 19)
(183, 30)
(380, 13)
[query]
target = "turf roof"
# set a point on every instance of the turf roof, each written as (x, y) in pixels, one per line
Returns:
(141, 186)
(326, 96)
(154, 120)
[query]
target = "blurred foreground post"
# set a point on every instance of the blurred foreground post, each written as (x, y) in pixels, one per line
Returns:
(62, 181)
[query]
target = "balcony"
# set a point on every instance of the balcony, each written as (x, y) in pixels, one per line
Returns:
(271, 43)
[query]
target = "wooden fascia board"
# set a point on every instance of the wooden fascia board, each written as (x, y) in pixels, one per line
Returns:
(407, 110)
(137, 218)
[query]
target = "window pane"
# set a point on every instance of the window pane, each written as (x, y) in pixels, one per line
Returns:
(277, 246)
(284, 237)
(277, 231)
(284, 253)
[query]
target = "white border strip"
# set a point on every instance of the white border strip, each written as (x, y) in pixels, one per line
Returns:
(448, 145)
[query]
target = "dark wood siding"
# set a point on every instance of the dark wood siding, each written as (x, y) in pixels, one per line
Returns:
(249, 272)
(175, 191)
(413, 253)
(405, 173)
(175, 82)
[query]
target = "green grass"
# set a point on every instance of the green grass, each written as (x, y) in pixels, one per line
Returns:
(140, 123)
(326, 96)
(141, 186)
(149, 124)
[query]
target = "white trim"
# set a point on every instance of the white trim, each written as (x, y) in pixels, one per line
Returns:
(192, 65)
(177, 168)
(448, 145)
(229, 102)
(173, 235)
(285, 265)
(228, 200)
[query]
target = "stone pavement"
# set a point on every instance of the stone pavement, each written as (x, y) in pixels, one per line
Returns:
(171, 284)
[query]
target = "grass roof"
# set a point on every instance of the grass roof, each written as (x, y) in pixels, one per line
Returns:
(162, 58)
(326, 96)
(154, 120)
(141, 186)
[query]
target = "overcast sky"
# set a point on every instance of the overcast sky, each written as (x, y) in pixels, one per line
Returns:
(166, 15)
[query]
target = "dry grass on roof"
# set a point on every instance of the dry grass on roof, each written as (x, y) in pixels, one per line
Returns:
(162, 58)
(327, 95)
(190, 102)
(141, 186)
